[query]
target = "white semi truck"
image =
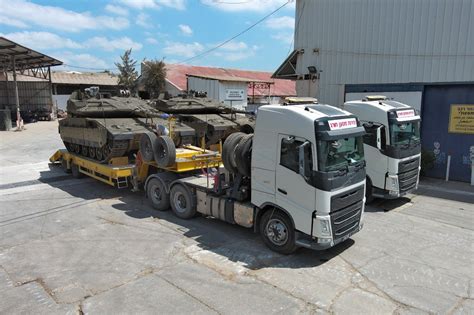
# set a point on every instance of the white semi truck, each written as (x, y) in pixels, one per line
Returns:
(299, 179)
(392, 145)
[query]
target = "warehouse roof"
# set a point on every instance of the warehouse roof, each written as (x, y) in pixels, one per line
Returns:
(228, 78)
(86, 78)
(25, 58)
(177, 75)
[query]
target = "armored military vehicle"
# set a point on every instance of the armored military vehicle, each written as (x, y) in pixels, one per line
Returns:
(102, 127)
(212, 120)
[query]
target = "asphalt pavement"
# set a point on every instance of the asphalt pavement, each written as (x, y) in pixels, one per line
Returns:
(72, 246)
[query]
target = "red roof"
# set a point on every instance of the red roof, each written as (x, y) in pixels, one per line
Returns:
(176, 74)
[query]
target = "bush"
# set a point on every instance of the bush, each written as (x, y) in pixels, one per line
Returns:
(427, 161)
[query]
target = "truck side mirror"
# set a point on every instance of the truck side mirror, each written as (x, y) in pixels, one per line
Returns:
(303, 163)
(379, 138)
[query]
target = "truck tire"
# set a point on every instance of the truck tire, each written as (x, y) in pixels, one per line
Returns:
(165, 151)
(156, 193)
(277, 232)
(228, 151)
(148, 146)
(369, 197)
(182, 202)
(243, 155)
(75, 171)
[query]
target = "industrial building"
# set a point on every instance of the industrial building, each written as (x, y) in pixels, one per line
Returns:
(242, 89)
(418, 52)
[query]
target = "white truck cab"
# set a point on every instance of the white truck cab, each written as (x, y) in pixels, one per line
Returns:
(308, 162)
(392, 145)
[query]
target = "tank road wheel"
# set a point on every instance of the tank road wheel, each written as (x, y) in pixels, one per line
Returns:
(277, 232)
(165, 151)
(84, 150)
(228, 151)
(92, 152)
(75, 171)
(182, 202)
(106, 151)
(243, 155)
(77, 149)
(156, 192)
(98, 154)
(148, 146)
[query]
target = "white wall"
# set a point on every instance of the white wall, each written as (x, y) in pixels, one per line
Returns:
(410, 98)
(61, 100)
(216, 90)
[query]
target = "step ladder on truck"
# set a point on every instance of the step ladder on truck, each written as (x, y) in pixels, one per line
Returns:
(298, 180)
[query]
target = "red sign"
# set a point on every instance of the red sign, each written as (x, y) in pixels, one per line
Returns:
(342, 123)
(406, 113)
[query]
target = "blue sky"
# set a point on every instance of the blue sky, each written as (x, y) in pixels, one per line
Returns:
(93, 34)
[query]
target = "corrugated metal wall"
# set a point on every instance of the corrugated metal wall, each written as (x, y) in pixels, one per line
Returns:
(34, 96)
(217, 89)
(384, 41)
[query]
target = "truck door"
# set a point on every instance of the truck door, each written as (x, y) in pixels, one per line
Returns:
(293, 193)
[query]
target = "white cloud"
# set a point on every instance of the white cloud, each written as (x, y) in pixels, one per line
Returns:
(234, 51)
(282, 22)
(154, 4)
(115, 9)
(42, 40)
(144, 20)
(239, 5)
(286, 38)
(30, 14)
(185, 29)
(82, 60)
(151, 40)
(12, 22)
(183, 49)
(106, 44)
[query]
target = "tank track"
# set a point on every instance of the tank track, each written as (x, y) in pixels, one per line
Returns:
(113, 149)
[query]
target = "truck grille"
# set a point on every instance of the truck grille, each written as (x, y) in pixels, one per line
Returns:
(346, 210)
(408, 174)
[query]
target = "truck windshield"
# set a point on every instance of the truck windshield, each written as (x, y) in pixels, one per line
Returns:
(337, 154)
(404, 134)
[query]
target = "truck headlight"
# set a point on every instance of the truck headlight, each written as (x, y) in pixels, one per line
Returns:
(392, 183)
(325, 227)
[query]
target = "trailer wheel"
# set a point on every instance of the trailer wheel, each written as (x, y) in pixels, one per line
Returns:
(156, 192)
(75, 171)
(228, 151)
(147, 146)
(64, 166)
(243, 155)
(182, 202)
(277, 232)
(165, 151)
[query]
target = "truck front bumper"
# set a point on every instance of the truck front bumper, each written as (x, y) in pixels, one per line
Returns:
(315, 243)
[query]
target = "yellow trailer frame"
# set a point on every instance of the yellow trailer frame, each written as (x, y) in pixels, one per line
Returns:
(119, 172)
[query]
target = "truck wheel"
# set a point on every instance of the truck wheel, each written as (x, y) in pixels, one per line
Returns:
(165, 151)
(75, 171)
(228, 151)
(243, 155)
(147, 146)
(182, 202)
(277, 232)
(369, 197)
(156, 192)
(64, 166)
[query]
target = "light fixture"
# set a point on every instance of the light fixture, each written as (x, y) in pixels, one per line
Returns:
(312, 70)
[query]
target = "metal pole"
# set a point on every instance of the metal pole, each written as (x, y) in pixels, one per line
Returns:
(448, 166)
(19, 121)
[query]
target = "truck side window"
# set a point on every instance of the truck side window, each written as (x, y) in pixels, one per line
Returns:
(289, 154)
(370, 138)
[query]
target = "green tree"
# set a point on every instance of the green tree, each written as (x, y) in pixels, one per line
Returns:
(128, 75)
(154, 75)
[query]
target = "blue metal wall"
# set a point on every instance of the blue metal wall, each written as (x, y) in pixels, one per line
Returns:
(436, 103)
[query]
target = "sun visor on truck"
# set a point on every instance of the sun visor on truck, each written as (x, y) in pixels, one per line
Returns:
(338, 134)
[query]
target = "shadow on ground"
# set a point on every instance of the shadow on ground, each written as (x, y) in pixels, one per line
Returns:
(237, 244)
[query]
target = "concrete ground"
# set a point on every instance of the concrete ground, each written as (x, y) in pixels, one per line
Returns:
(79, 246)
